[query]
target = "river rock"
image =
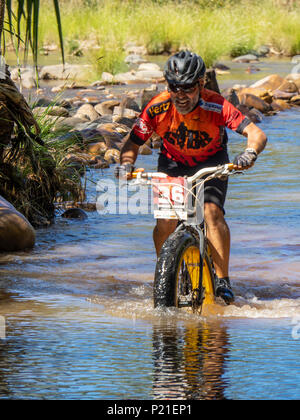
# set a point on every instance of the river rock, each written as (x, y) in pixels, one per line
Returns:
(80, 158)
(56, 111)
(149, 67)
(149, 74)
(295, 100)
(252, 101)
(101, 164)
(112, 156)
(98, 148)
(231, 96)
(280, 105)
(107, 77)
(279, 94)
(68, 123)
(261, 92)
(106, 107)
(295, 78)
(74, 213)
(112, 140)
(147, 95)
(134, 59)
(87, 111)
(16, 233)
(120, 111)
(247, 58)
(253, 114)
(125, 77)
(114, 127)
(145, 150)
(270, 82)
(288, 86)
(132, 48)
(25, 76)
(65, 72)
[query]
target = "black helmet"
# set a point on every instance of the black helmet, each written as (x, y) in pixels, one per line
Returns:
(184, 68)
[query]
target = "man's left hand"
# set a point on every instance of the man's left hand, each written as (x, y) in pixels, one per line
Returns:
(246, 159)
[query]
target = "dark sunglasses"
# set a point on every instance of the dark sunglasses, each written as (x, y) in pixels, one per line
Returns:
(184, 88)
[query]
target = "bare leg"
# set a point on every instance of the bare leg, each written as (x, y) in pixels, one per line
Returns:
(162, 230)
(218, 235)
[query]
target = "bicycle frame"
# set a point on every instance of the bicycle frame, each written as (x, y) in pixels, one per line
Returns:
(183, 199)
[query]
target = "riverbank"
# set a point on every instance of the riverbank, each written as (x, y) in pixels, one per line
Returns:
(98, 117)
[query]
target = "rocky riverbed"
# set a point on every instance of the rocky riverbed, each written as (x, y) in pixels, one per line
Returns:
(99, 116)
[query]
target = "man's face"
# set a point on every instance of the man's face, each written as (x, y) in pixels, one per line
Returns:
(185, 98)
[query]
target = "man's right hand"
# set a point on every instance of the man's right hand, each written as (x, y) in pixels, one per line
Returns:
(124, 171)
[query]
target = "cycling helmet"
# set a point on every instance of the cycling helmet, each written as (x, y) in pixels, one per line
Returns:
(184, 68)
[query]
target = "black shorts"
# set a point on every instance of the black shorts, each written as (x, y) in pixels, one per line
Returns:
(214, 190)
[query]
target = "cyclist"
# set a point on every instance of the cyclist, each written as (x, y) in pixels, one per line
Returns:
(191, 121)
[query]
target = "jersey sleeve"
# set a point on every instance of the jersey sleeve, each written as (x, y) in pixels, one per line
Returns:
(142, 129)
(233, 118)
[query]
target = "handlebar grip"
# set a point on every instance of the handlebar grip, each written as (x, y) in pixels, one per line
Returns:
(134, 174)
(230, 166)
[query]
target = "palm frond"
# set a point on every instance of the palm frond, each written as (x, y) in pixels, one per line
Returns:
(29, 11)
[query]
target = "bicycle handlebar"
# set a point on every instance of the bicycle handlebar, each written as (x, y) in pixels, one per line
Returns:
(218, 171)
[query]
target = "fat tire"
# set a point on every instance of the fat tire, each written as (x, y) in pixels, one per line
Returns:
(167, 265)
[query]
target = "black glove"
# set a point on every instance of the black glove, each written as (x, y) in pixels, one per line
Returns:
(245, 159)
(122, 171)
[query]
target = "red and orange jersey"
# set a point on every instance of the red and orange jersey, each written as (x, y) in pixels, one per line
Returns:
(193, 137)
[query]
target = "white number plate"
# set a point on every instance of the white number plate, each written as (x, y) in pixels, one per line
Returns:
(169, 198)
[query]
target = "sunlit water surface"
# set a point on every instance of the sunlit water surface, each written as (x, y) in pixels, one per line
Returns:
(78, 312)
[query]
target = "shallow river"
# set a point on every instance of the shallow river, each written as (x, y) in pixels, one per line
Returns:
(77, 320)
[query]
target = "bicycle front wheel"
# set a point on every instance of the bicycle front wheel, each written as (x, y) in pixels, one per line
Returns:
(182, 277)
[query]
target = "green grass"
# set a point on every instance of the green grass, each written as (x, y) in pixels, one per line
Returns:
(210, 28)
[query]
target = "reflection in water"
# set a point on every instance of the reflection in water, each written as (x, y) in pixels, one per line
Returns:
(189, 361)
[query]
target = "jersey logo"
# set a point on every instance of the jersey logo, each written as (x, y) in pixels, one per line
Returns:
(191, 139)
(159, 108)
(210, 106)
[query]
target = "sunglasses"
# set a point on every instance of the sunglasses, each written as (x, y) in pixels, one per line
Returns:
(184, 88)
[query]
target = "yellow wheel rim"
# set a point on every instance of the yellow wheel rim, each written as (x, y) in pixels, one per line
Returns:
(190, 263)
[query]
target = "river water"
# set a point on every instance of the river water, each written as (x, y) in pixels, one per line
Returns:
(77, 319)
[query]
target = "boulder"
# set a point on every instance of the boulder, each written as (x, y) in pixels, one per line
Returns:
(279, 94)
(67, 123)
(120, 111)
(87, 111)
(107, 77)
(98, 148)
(134, 59)
(106, 107)
(253, 114)
(288, 86)
(65, 72)
(149, 67)
(56, 111)
(147, 95)
(279, 105)
(231, 96)
(270, 82)
(145, 150)
(295, 78)
(16, 233)
(261, 92)
(247, 58)
(112, 156)
(74, 213)
(295, 100)
(252, 101)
